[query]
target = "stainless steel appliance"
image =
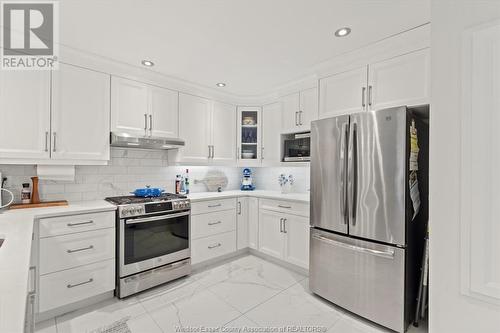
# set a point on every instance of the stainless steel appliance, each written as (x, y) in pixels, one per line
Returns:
(297, 147)
(126, 140)
(153, 241)
(365, 241)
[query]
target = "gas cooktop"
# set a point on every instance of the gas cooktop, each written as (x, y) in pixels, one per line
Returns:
(130, 200)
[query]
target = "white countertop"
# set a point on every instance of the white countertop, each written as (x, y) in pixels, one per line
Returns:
(16, 226)
(201, 196)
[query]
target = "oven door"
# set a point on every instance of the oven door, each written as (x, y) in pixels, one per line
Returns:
(149, 242)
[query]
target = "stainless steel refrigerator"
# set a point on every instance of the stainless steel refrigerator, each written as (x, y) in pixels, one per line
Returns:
(366, 233)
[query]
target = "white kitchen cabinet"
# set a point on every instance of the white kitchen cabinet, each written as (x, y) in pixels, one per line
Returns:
(163, 112)
(249, 136)
(253, 223)
(343, 93)
(223, 134)
(296, 249)
(25, 114)
(271, 236)
(402, 80)
(299, 110)
(129, 106)
(80, 114)
(194, 128)
(271, 141)
(242, 235)
(290, 112)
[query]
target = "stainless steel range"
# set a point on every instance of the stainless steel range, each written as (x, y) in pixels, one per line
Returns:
(153, 241)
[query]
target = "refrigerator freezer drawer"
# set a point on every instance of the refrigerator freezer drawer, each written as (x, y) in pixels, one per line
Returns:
(362, 277)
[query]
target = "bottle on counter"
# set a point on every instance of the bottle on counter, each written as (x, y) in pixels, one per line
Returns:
(178, 180)
(186, 182)
(26, 194)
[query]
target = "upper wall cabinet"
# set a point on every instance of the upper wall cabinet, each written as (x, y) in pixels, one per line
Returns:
(299, 110)
(249, 136)
(271, 138)
(25, 114)
(343, 93)
(141, 109)
(80, 114)
(402, 80)
(223, 142)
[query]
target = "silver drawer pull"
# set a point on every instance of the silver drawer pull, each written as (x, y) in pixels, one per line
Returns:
(79, 223)
(213, 206)
(282, 206)
(79, 284)
(213, 223)
(214, 246)
(82, 249)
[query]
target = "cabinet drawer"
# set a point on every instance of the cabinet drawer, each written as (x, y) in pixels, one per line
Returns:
(212, 206)
(209, 224)
(213, 246)
(62, 225)
(68, 251)
(76, 284)
(290, 207)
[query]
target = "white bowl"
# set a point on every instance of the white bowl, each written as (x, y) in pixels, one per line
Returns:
(248, 155)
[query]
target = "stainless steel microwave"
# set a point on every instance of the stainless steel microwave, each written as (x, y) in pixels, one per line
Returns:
(297, 147)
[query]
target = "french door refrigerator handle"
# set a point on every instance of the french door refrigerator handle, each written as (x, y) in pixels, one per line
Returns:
(343, 175)
(385, 254)
(352, 173)
(355, 173)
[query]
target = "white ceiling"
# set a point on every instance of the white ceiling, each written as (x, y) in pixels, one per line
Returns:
(252, 45)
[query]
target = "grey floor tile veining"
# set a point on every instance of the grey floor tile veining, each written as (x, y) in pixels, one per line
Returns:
(246, 292)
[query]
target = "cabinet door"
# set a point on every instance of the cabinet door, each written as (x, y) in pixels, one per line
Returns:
(163, 112)
(271, 140)
(242, 223)
(129, 106)
(343, 93)
(271, 237)
(249, 136)
(290, 112)
(253, 223)
(403, 80)
(80, 114)
(296, 229)
(24, 114)
(194, 128)
(224, 134)
(308, 108)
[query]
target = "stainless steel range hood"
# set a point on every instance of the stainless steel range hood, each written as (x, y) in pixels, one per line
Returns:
(125, 140)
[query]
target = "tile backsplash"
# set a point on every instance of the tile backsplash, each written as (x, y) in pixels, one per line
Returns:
(133, 168)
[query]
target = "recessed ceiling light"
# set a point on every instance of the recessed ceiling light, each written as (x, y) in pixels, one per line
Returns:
(147, 63)
(221, 84)
(342, 32)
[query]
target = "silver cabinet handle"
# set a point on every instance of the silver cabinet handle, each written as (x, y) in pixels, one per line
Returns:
(79, 284)
(46, 141)
(145, 122)
(262, 153)
(363, 93)
(81, 249)
(213, 151)
(214, 223)
(209, 151)
(284, 226)
(239, 207)
(385, 254)
(238, 153)
(300, 118)
(213, 206)
(282, 206)
(296, 118)
(281, 224)
(151, 124)
(55, 140)
(79, 223)
(214, 246)
(33, 275)
(370, 89)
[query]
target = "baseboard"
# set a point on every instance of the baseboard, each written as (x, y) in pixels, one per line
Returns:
(219, 260)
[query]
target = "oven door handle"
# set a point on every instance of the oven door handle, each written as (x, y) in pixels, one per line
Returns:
(156, 218)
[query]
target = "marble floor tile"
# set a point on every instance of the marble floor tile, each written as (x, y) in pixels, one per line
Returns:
(143, 324)
(241, 323)
(295, 306)
(200, 309)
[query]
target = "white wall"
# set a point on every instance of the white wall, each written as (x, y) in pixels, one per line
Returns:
(128, 169)
(450, 309)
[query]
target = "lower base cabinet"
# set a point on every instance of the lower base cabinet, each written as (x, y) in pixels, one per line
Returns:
(213, 246)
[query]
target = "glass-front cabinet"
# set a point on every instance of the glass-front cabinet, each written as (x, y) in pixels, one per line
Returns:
(249, 149)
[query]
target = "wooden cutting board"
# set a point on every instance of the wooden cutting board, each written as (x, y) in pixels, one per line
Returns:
(40, 205)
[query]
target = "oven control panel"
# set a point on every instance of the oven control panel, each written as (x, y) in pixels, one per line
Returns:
(132, 210)
(181, 204)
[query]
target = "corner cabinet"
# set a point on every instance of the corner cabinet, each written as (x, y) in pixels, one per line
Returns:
(249, 147)
(25, 114)
(142, 109)
(80, 114)
(209, 130)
